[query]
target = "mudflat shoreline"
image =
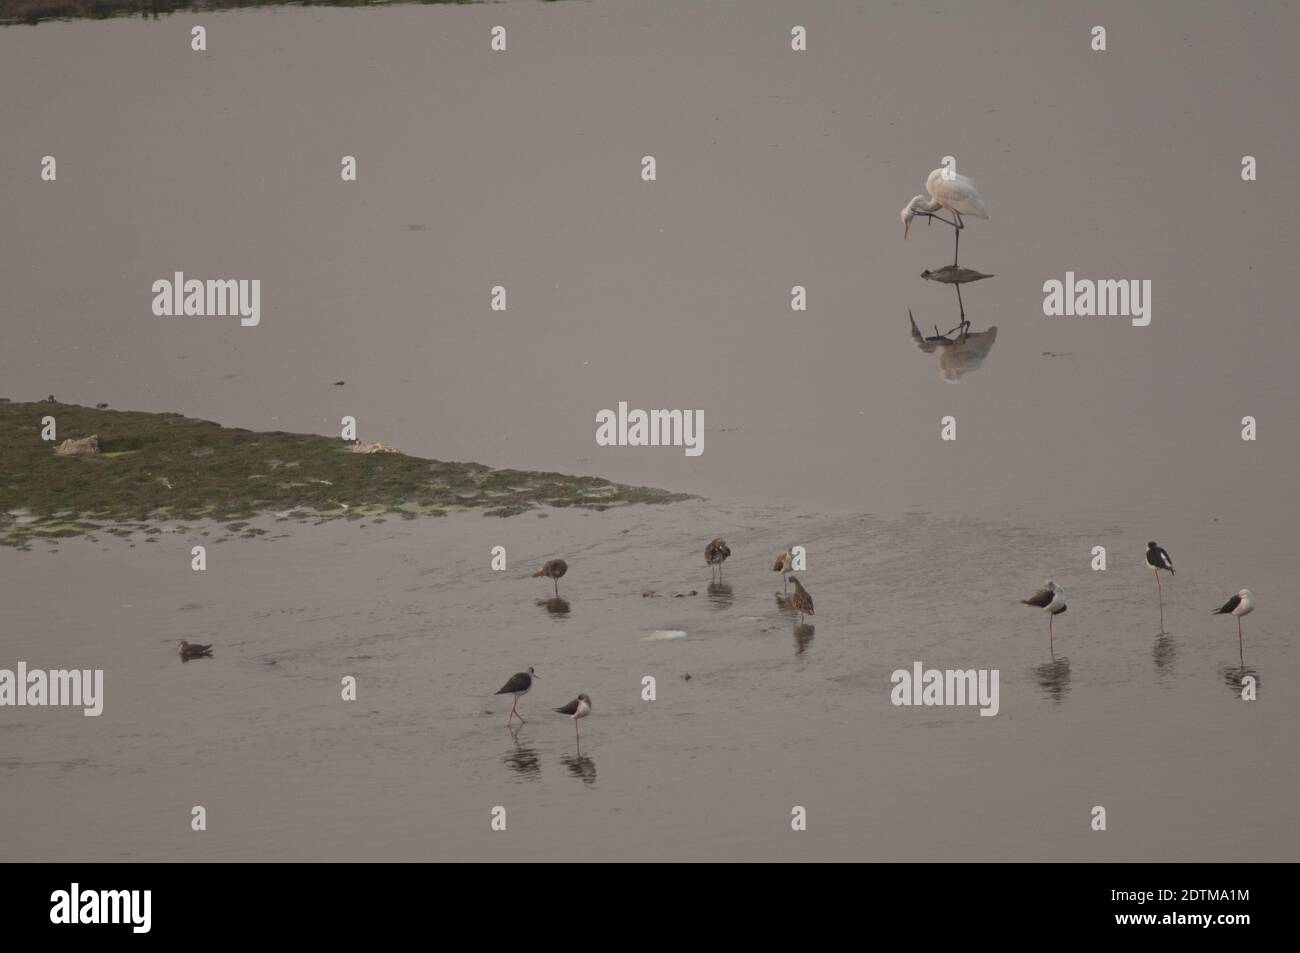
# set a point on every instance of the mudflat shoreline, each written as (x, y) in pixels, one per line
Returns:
(153, 467)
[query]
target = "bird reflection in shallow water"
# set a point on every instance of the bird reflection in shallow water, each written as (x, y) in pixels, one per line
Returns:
(522, 759)
(720, 595)
(581, 767)
(555, 606)
(1235, 675)
(1164, 652)
(803, 636)
(958, 355)
(1054, 677)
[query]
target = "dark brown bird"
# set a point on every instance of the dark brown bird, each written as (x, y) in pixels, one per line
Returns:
(782, 565)
(801, 600)
(553, 569)
(191, 650)
(716, 553)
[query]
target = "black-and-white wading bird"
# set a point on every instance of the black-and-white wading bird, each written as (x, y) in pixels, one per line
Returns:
(782, 565)
(553, 569)
(1051, 599)
(518, 686)
(801, 599)
(1243, 603)
(580, 707)
(1158, 559)
(716, 553)
(950, 191)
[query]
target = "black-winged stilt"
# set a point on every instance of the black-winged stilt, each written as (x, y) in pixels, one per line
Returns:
(518, 686)
(1243, 603)
(1158, 559)
(1051, 599)
(580, 707)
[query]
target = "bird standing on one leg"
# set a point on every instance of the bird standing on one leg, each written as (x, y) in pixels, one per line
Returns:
(1243, 603)
(580, 707)
(518, 686)
(1158, 559)
(801, 599)
(782, 565)
(1051, 599)
(716, 553)
(950, 191)
(553, 569)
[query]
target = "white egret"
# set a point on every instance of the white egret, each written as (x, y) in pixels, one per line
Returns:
(950, 191)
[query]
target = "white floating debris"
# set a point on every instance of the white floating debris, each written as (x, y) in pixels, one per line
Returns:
(665, 635)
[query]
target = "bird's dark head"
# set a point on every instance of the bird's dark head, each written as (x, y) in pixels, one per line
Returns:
(532, 672)
(1152, 545)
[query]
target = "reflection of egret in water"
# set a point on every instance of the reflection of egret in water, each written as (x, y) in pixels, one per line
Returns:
(952, 275)
(522, 760)
(1054, 677)
(555, 606)
(720, 595)
(1164, 652)
(957, 356)
(581, 767)
(803, 636)
(1234, 674)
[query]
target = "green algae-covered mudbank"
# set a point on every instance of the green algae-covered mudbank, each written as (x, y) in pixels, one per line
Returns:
(37, 11)
(151, 467)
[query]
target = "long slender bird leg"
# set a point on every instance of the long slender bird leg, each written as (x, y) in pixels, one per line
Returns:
(511, 717)
(1160, 594)
(961, 308)
(557, 588)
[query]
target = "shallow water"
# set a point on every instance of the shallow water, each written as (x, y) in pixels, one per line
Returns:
(773, 714)
(822, 429)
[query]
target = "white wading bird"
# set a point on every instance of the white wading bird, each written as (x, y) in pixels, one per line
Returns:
(950, 191)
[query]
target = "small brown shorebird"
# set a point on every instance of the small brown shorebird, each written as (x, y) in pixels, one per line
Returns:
(716, 553)
(553, 569)
(782, 565)
(1051, 599)
(518, 686)
(1243, 603)
(1158, 559)
(191, 650)
(580, 707)
(801, 600)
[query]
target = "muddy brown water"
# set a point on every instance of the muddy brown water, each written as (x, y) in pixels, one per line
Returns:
(822, 428)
